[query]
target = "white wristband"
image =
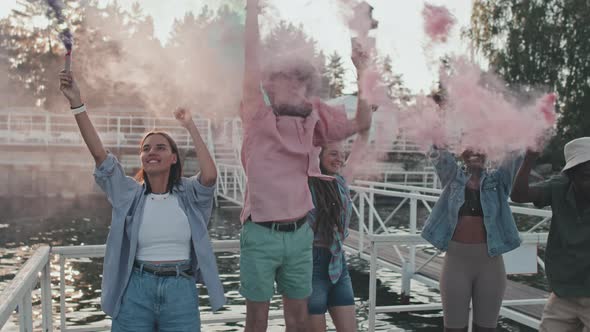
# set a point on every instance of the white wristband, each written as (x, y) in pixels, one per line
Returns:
(78, 110)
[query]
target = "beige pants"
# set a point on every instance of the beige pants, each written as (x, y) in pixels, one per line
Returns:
(566, 314)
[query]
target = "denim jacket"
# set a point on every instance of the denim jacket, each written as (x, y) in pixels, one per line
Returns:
(127, 197)
(495, 187)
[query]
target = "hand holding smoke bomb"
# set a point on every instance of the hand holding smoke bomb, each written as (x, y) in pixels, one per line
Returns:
(70, 89)
(68, 61)
(362, 20)
(362, 23)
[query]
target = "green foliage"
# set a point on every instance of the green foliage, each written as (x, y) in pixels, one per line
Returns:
(335, 75)
(546, 44)
(396, 89)
(118, 61)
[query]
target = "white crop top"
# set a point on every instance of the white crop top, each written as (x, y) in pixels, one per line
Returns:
(164, 232)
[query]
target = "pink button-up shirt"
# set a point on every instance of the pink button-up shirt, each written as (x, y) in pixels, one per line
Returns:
(279, 153)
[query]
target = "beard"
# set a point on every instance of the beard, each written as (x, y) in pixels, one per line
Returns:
(301, 110)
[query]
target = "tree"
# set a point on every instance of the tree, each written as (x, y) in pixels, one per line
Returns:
(286, 42)
(209, 50)
(541, 44)
(396, 89)
(335, 72)
(324, 88)
(105, 41)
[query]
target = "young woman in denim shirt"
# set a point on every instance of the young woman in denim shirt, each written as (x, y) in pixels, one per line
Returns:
(331, 283)
(158, 245)
(473, 223)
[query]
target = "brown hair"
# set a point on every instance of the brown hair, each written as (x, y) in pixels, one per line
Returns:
(175, 169)
(328, 206)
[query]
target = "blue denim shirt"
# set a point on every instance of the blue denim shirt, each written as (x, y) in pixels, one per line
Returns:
(127, 197)
(495, 187)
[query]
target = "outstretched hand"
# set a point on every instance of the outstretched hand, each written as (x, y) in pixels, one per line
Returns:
(70, 89)
(183, 116)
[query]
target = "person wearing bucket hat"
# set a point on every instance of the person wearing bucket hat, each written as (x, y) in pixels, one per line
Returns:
(567, 258)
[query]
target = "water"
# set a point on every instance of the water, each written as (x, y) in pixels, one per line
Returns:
(28, 222)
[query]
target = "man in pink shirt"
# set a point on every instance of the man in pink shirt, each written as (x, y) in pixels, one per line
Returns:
(283, 129)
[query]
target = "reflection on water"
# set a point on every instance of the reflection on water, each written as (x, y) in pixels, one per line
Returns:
(85, 221)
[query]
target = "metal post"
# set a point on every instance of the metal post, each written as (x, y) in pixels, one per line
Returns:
(8, 126)
(46, 298)
(470, 324)
(373, 285)
(236, 181)
(410, 265)
(47, 128)
(361, 222)
(118, 132)
(25, 310)
(371, 203)
(62, 293)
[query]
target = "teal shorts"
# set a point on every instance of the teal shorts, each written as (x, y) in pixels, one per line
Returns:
(268, 255)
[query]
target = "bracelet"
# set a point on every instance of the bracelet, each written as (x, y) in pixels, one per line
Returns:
(78, 110)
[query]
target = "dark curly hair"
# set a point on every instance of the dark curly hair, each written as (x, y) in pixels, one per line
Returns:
(328, 204)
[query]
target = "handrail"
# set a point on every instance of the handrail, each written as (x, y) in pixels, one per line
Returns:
(365, 191)
(46, 128)
(18, 291)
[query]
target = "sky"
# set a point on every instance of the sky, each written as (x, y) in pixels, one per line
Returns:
(400, 33)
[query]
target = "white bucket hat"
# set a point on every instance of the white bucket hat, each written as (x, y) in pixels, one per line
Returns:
(576, 152)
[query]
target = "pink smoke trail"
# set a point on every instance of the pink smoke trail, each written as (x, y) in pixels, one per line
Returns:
(546, 106)
(438, 22)
(423, 123)
(357, 15)
(480, 115)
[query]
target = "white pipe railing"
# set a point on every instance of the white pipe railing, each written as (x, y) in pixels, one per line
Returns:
(18, 293)
(231, 183)
(366, 192)
(413, 240)
(33, 129)
(20, 288)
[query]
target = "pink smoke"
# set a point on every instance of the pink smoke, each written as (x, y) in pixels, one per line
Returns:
(438, 22)
(546, 105)
(423, 123)
(373, 88)
(480, 115)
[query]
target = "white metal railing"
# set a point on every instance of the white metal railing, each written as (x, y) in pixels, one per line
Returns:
(231, 183)
(415, 178)
(377, 241)
(232, 128)
(374, 233)
(17, 293)
(17, 296)
(232, 134)
(49, 129)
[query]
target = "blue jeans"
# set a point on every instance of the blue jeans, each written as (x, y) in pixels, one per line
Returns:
(153, 303)
(326, 294)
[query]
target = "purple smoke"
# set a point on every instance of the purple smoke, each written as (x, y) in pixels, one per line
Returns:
(65, 35)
